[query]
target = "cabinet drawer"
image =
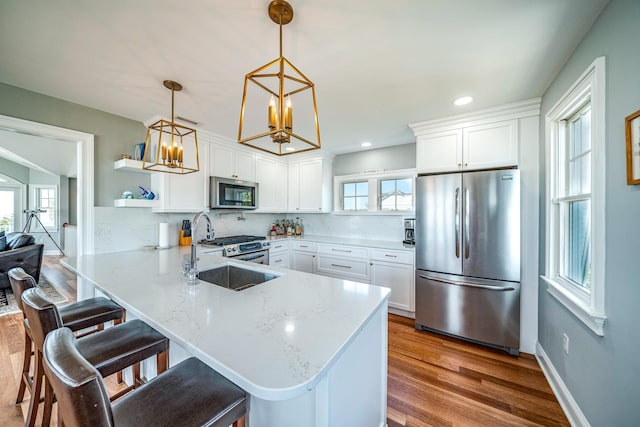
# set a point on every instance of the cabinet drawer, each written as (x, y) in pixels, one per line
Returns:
(304, 246)
(343, 268)
(343, 251)
(403, 257)
(278, 246)
(279, 260)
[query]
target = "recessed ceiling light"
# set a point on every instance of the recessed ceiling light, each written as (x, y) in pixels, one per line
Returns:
(290, 149)
(365, 144)
(463, 100)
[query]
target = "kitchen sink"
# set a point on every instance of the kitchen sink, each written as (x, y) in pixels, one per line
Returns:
(235, 277)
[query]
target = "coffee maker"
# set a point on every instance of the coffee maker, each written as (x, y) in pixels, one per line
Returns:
(409, 231)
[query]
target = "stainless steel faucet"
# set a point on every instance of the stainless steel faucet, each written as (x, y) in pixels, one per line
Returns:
(192, 274)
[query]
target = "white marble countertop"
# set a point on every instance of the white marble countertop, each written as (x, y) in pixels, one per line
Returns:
(275, 340)
(380, 244)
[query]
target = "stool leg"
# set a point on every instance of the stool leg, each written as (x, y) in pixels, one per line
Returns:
(119, 373)
(239, 423)
(162, 362)
(36, 389)
(26, 365)
(48, 403)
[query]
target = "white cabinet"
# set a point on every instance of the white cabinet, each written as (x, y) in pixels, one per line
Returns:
(395, 270)
(343, 262)
(272, 178)
(303, 256)
(279, 253)
(228, 162)
(182, 193)
(306, 192)
(483, 146)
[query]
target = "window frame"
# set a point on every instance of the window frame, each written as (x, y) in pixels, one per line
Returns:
(586, 305)
(34, 203)
(373, 178)
(355, 196)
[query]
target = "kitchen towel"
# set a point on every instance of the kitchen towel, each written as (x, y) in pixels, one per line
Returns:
(163, 235)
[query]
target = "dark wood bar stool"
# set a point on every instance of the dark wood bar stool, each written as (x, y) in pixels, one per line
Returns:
(189, 394)
(94, 312)
(109, 351)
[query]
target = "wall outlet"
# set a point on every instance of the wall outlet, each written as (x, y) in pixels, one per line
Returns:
(565, 343)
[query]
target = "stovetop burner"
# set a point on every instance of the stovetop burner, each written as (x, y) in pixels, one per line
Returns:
(231, 240)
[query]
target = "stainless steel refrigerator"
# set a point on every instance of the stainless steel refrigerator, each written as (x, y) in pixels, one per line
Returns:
(468, 256)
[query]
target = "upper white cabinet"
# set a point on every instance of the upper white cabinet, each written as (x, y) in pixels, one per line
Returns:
(306, 186)
(228, 162)
(183, 193)
(272, 179)
(483, 146)
(486, 139)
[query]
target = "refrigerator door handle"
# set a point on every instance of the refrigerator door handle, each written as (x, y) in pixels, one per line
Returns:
(466, 223)
(469, 285)
(457, 222)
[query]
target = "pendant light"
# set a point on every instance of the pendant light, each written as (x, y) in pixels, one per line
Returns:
(270, 95)
(171, 147)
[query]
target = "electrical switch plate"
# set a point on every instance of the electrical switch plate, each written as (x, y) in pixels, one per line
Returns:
(565, 343)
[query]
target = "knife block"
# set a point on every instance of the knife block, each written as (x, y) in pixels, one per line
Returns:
(184, 241)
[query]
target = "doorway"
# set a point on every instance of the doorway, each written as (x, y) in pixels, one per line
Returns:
(84, 143)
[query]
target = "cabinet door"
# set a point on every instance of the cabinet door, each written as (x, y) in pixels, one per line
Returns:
(293, 201)
(311, 186)
(399, 278)
(272, 179)
(279, 258)
(491, 145)
(244, 164)
(439, 152)
(304, 261)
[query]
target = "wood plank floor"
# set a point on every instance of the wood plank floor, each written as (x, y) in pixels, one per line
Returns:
(432, 380)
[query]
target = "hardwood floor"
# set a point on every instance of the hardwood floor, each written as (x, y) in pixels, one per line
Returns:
(433, 380)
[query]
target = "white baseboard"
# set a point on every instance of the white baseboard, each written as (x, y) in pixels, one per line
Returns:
(567, 402)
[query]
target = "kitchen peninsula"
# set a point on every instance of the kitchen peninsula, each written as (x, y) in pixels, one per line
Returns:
(310, 350)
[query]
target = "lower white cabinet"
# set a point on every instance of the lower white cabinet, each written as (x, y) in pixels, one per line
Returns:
(344, 268)
(279, 254)
(395, 270)
(303, 256)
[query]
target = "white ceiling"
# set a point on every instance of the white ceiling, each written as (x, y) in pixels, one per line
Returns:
(377, 65)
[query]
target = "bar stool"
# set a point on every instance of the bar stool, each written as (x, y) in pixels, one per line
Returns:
(188, 394)
(109, 351)
(94, 312)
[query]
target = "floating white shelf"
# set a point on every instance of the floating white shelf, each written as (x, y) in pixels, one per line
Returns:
(129, 165)
(135, 203)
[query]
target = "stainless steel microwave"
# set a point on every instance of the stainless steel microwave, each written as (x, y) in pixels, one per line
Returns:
(228, 193)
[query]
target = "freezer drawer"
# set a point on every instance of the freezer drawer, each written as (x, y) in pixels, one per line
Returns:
(481, 310)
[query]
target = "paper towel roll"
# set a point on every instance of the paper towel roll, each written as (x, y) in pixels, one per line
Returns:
(163, 235)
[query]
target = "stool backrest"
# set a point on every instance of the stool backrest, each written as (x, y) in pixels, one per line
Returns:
(82, 397)
(20, 282)
(42, 315)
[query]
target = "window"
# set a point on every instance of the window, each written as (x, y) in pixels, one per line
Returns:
(575, 199)
(355, 196)
(375, 192)
(45, 197)
(396, 194)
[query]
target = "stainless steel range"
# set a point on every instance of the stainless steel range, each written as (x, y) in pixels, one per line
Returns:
(243, 247)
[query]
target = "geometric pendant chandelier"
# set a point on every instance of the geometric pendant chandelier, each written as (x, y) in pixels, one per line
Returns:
(171, 147)
(271, 93)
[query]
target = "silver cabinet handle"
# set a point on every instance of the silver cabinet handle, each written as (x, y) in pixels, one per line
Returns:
(466, 223)
(341, 250)
(457, 222)
(391, 256)
(469, 285)
(342, 266)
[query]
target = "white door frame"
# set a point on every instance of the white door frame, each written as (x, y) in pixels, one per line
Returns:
(85, 153)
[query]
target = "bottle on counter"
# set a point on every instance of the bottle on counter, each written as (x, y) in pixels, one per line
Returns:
(272, 232)
(289, 228)
(298, 226)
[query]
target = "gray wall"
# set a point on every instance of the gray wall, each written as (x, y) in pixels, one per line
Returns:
(13, 170)
(387, 158)
(602, 373)
(114, 135)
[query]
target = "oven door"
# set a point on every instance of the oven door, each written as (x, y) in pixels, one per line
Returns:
(259, 257)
